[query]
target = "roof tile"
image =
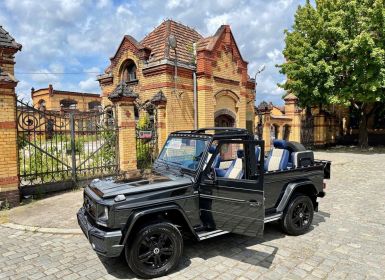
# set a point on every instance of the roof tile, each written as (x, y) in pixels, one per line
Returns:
(185, 37)
(7, 41)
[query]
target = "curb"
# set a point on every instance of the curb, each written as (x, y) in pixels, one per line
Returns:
(42, 229)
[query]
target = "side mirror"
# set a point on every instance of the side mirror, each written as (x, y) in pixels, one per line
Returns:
(212, 174)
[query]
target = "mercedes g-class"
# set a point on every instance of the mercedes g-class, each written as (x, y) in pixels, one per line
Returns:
(205, 183)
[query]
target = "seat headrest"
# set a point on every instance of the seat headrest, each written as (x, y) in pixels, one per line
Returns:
(293, 146)
(240, 153)
(280, 144)
(212, 149)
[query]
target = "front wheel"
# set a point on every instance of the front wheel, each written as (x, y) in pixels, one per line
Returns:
(298, 215)
(155, 250)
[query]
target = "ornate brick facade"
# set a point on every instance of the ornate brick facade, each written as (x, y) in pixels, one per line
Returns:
(222, 79)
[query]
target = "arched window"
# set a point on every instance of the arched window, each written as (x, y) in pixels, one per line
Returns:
(41, 104)
(68, 104)
(94, 105)
(129, 72)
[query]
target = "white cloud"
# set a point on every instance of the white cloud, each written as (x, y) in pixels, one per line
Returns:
(89, 85)
(73, 35)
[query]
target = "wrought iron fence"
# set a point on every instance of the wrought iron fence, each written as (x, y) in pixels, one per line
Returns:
(57, 146)
(146, 135)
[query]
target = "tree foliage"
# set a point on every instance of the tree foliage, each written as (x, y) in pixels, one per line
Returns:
(335, 54)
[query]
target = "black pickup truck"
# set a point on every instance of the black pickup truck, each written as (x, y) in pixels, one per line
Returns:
(205, 183)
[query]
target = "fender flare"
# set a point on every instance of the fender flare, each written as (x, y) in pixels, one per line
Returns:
(136, 215)
(291, 187)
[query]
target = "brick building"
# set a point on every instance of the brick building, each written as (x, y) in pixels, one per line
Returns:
(53, 99)
(213, 66)
(9, 181)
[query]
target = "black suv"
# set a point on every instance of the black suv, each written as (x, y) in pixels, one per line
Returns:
(205, 183)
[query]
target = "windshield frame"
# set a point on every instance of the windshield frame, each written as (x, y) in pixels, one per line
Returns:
(189, 136)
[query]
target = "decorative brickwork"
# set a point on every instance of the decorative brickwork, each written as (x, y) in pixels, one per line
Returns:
(9, 181)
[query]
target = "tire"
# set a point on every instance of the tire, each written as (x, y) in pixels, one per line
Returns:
(298, 215)
(155, 250)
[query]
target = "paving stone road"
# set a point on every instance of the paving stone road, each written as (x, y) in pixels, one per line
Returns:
(347, 241)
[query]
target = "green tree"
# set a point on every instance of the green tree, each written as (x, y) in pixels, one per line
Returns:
(335, 54)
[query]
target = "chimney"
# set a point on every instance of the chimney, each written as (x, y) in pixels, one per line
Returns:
(50, 89)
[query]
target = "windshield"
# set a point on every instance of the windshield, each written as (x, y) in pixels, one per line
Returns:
(185, 152)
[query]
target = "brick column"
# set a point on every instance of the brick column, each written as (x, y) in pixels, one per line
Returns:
(161, 126)
(267, 130)
(127, 135)
(160, 101)
(123, 98)
(9, 167)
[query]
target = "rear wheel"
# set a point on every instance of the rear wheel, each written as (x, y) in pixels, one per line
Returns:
(155, 250)
(298, 215)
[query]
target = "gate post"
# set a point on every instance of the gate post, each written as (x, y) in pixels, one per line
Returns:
(267, 130)
(319, 129)
(9, 168)
(123, 98)
(160, 101)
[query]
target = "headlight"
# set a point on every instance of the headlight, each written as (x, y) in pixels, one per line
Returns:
(102, 215)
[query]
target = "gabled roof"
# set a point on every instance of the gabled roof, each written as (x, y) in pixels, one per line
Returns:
(209, 43)
(7, 41)
(132, 40)
(157, 41)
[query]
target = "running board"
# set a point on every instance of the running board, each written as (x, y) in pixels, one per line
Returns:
(273, 217)
(208, 234)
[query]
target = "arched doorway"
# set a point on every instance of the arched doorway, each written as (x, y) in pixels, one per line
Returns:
(224, 121)
(224, 118)
(286, 132)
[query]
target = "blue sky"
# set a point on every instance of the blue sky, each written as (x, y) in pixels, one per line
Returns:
(77, 36)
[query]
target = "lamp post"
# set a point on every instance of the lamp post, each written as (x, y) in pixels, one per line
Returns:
(260, 70)
(260, 115)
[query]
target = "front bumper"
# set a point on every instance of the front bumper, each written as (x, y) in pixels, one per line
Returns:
(106, 243)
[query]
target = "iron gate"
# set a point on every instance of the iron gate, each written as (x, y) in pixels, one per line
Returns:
(57, 147)
(307, 130)
(146, 134)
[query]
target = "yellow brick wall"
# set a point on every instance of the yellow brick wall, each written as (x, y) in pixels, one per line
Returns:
(9, 181)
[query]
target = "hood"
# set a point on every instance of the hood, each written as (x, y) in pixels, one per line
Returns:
(111, 187)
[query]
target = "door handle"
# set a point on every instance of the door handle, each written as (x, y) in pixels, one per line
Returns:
(254, 203)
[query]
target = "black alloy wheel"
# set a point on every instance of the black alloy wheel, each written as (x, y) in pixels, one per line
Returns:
(155, 250)
(298, 215)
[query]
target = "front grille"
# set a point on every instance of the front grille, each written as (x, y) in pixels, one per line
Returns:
(90, 206)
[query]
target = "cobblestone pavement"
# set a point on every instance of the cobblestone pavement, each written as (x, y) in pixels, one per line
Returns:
(347, 241)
